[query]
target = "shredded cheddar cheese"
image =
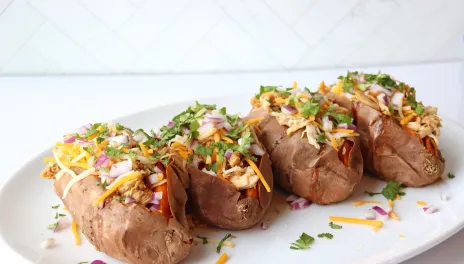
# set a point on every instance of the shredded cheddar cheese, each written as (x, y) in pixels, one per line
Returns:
(260, 175)
(76, 234)
(115, 185)
(144, 150)
(75, 164)
(295, 85)
(280, 100)
(226, 139)
(49, 159)
(254, 120)
(222, 259)
(398, 197)
(348, 131)
(421, 203)
(217, 137)
(334, 143)
(408, 118)
(359, 221)
(390, 204)
(361, 202)
(394, 216)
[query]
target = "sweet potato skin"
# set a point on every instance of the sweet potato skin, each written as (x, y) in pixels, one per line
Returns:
(389, 151)
(129, 233)
(300, 168)
(218, 203)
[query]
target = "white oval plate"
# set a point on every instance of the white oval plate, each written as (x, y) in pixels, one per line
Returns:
(26, 200)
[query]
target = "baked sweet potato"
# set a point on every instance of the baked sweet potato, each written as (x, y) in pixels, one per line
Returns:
(399, 136)
(140, 216)
(230, 173)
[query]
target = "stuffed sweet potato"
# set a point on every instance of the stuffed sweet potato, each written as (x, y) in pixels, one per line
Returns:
(399, 136)
(315, 153)
(230, 173)
(123, 192)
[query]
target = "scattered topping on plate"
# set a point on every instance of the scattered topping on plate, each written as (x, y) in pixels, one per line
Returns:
(302, 243)
(444, 196)
(391, 190)
(56, 206)
(76, 233)
(335, 226)
(222, 259)
(326, 235)
(218, 249)
(204, 239)
(363, 202)
(421, 203)
(430, 209)
(47, 243)
(359, 221)
(370, 214)
(451, 175)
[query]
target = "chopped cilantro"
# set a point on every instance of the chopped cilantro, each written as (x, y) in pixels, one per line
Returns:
(98, 183)
(223, 111)
(335, 226)
(100, 139)
(327, 235)
(119, 127)
(292, 100)
(214, 167)
(118, 198)
(104, 169)
(265, 89)
(224, 146)
(307, 90)
(197, 107)
(340, 118)
(303, 242)
(419, 109)
(203, 151)
(451, 175)
(104, 184)
(131, 154)
(218, 249)
(112, 152)
(311, 107)
(200, 112)
(90, 150)
(390, 191)
(56, 206)
(321, 138)
(385, 80)
(52, 226)
(235, 133)
(205, 239)
(361, 87)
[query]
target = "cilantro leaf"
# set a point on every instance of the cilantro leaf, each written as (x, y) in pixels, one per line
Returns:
(302, 243)
(205, 239)
(218, 248)
(203, 150)
(89, 149)
(340, 118)
(223, 111)
(119, 127)
(335, 226)
(419, 109)
(311, 107)
(235, 133)
(321, 138)
(112, 152)
(389, 191)
(52, 226)
(104, 184)
(131, 154)
(214, 167)
(451, 175)
(56, 206)
(265, 89)
(327, 235)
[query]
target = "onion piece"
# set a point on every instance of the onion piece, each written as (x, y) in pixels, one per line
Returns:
(144, 160)
(154, 178)
(117, 141)
(85, 142)
(98, 262)
(444, 197)
(397, 100)
(154, 207)
(84, 129)
(299, 204)
(120, 168)
(70, 140)
(139, 136)
(370, 214)
(227, 126)
(264, 225)
(171, 124)
(291, 198)
(430, 209)
(205, 128)
(288, 110)
(327, 125)
(129, 200)
(157, 170)
(228, 154)
(157, 195)
(233, 169)
(91, 161)
(47, 243)
(379, 210)
(377, 88)
(257, 150)
(383, 98)
(212, 173)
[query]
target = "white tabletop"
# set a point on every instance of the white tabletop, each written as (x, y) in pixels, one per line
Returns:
(36, 111)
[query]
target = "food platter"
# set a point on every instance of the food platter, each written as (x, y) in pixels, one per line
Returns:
(24, 226)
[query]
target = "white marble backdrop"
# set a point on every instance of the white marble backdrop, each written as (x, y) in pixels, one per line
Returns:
(172, 36)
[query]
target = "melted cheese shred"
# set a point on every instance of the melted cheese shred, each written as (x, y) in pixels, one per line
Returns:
(62, 167)
(76, 179)
(76, 234)
(260, 175)
(222, 259)
(115, 185)
(359, 221)
(251, 121)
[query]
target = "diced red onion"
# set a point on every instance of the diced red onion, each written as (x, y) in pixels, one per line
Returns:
(327, 125)
(157, 196)
(120, 168)
(98, 262)
(257, 150)
(140, 137)
(84, 128)
(443, 196)
(129, 200)
(361, 78)
(118, 140)
(291, 198)
(288, 110)
(228, 154)
(102, 161)
(397, 100)
(377, 88)
(157, 170)
(382, 98)
(430, 209)
(370, 214)
(144, 160)
(152, 179)
(379, 210)
(186, 131)
(215, 118)
(264, 225)
(70, 139)
(85, 142)
(171, 124)
(299, 204)
(91, 161)
(227, 126)
(155, 207)
(205, 128)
